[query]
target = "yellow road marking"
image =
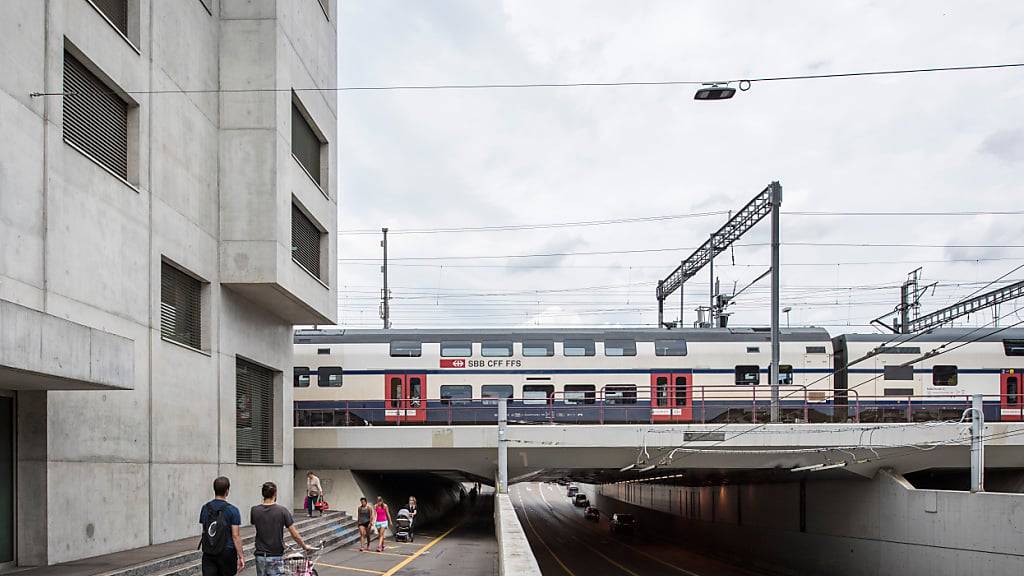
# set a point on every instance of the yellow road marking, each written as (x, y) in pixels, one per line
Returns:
(364, 570)
(416, 554)
(526, 514)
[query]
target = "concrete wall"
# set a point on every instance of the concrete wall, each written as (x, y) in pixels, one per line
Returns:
(849, 527)
(515, 557)
(131, 467)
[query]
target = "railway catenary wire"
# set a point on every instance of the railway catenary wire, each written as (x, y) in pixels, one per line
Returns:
(368, 262)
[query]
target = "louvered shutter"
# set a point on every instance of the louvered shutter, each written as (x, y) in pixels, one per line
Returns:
(305, 241)
(254, 413)
(305, 144)
(116, 11)
(180, 307)
(95, 119)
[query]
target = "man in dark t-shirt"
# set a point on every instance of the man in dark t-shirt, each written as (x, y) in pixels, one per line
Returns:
(271, 520)
(229, 562)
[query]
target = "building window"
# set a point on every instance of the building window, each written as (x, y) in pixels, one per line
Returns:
(670, 347)
(496, 348)
(306, 145)
(491, 392)
(328, 377)
(620, 394)
(95, 118)
(578, 347)
(534, 348)
(748, 374)
(620, 347)
(456, 349)
(406, 349)
(301, 377)
(306, 240)
(254, 413)
(456, 394)
(944, 375)
(181, 307)
(538, 394)
(579, 394)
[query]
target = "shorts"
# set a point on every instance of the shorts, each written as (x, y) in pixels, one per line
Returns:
(381, 525)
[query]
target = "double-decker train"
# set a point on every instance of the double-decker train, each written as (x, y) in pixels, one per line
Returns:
(403, 377)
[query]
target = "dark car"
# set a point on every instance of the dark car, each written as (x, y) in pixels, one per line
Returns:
(572, 491)
(581, 501)
(622, 524)
(592, 513)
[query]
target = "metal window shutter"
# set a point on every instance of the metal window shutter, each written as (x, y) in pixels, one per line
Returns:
(95, 119)
(180, 307)
(116, 11)
(305, 144)
(305, 242)
(254, 413)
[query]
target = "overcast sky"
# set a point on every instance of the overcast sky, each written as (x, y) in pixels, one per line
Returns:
(470, 158)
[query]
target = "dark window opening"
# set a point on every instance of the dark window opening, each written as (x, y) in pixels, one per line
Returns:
(897, 372)
(456, 394)
(944, 375)
(816, 350)
(1012, 389)
(180, 307)
(681, 390)
(301, 377)
(785, 374)
(748, 374)
(492, 392)
(620, 394)
(254, 413)
(661, 391)
(116, 11)
(1013, 347)
(753, 349)
(395, 388)
(897, 350)
(415, 391)
(579, 394)
(306, 242)
(306, 145)
(899, 392)
(329, 377)
(323, 350)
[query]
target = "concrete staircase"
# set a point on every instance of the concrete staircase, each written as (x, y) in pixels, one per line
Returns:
(334, 529)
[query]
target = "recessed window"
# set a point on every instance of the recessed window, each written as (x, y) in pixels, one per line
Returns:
(181, 307)
(301, 377)
(254, 413)
(306, 241)
(620, 347)
(538, 348)
(459, 349)
(406, 348)
(620, 394)
(897, 372)
(328, 377)
(579, 394)
(1013, 347)
(578, 347)
(538, 393)
(785, 374)
(456, 394)
(944, 375)
(306, 144)
(95, 118)
(495, 348)
(753, 350)
(670, 347)
(491, 392)
(748, 374)
(815, 350)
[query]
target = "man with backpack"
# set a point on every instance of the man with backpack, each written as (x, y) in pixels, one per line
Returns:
(221, 542)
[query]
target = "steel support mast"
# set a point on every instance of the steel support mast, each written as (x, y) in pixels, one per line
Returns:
(776, 202)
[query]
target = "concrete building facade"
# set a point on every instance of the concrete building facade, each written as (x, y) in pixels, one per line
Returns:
(168, 211)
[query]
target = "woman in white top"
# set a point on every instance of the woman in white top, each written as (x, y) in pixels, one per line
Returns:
(314, 492)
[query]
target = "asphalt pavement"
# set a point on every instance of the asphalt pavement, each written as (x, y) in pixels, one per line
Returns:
(566, 544)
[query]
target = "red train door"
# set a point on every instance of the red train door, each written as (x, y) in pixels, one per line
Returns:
(1011, 397)
(404, 397)
(671, 397)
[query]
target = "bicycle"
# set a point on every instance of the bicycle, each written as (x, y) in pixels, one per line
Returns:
(300, 562)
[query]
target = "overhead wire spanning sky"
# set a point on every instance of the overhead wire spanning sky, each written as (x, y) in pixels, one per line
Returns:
(880, 174)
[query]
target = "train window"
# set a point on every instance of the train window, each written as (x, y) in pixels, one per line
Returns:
(415, 391)
(620, 394)
(579, 394)
(670, 347)
(620, 347)
(491, 392)
(897, 372)
(496, 348)
(538, 393)
(748, 374)
(323, 350)
(406, 349)
(1013, 347)
(538, 348)
(456, 349)
(897, 350)
(899, 392)
(1012, 389)
(785, 374)
(456, 394)
(661, 391)
(944, 375)
(816, 350)
(680, 390)
(753, 349)
(301, 377)
(328, 377)
(396, 391)
(578, 347)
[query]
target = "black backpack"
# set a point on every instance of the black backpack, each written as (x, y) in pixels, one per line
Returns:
(215, 531)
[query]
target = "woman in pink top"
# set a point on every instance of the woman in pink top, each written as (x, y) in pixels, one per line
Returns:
(382, 517)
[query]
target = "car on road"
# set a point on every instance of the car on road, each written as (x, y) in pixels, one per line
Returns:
(581, 501)
(622, 524)
(572, 491)
(592, 513)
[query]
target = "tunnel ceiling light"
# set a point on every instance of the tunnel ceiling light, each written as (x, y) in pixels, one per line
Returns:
(627, 468)
(648, 468)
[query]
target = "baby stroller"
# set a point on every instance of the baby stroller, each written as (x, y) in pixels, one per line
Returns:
(403, 526)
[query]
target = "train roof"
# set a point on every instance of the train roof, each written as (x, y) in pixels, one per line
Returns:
(988, 334)
(339, 336)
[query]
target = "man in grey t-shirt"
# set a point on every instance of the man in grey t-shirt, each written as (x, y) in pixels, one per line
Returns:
(271, 519)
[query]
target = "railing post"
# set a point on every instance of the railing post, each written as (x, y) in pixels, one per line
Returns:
(753, 410)
(703, 408)
(807, 413)
(910, 410)
(450, 412)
